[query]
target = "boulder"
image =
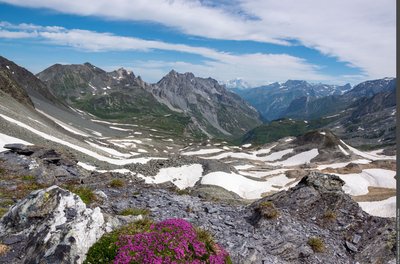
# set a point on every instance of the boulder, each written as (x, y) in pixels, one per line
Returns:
(52, 225)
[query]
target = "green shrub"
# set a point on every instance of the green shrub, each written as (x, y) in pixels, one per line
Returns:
(117, 183)
(135, 211)
(268, 210)
(317, 244)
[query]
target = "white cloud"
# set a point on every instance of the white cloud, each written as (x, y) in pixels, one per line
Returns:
(359, 32)
(256, 68)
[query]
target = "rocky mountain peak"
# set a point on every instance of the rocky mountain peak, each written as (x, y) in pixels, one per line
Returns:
(215, 110)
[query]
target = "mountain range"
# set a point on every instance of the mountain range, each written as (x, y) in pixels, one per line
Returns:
(180, 103)
(273, 100)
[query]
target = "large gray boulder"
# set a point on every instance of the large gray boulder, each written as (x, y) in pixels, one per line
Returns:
(52, 225)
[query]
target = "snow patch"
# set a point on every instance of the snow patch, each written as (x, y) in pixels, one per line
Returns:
(242, 186)
(358, 183)
(120, 129)
(368, 155)
(4, 140)
(343, 151)
(86, 166)
(299, 159)
(78, 148)
(384, 208)
(109, 150)
(182, 177)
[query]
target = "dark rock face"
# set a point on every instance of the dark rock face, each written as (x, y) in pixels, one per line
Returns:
(19, 78)
(9, 86)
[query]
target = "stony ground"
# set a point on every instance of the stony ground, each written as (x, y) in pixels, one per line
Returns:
(275, 229)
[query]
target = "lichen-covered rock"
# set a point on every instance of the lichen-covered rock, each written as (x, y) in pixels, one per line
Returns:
(51, 226)
(318, 207)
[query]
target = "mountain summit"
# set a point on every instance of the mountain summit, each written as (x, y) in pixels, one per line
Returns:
(212, 108)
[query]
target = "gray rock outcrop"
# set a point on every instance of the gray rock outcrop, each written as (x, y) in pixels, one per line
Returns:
(51, 226)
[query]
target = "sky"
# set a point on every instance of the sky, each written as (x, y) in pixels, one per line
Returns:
(259, 41)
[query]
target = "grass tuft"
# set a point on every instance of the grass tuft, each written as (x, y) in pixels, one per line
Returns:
(317, 244)
(330, 215)
(85, 193)
(268, 210)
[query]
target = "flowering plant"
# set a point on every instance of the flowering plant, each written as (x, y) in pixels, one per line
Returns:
(171, 241)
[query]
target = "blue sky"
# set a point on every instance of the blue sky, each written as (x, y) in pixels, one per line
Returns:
(261, 41)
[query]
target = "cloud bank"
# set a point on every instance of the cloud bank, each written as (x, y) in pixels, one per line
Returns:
(358, 32)
(255, 67)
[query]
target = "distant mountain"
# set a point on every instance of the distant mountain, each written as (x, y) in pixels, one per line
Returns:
(311, 107)
(212, 108)
(272, 100)
(364, 116)
(237, 83)
(370, 121)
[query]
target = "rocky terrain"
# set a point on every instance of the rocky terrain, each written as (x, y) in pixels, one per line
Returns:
(309, 198)
(315, 207)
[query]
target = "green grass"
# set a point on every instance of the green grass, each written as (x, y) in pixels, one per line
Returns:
(3, 211)
(317, 244)
(85, 193)
(135, 211)
(117, 183)
(182, 192)
(141, 109)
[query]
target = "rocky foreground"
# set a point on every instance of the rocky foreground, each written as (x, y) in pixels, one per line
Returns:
(313, 222)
